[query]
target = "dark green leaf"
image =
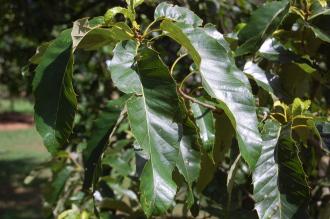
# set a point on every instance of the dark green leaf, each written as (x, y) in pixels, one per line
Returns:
(189, 158)
(179, 14)
(121, 67)
(100, 134)
(262, 23)
(280, 186)
(223, 81)
(151, 118)
(58, 185)
(55, 99)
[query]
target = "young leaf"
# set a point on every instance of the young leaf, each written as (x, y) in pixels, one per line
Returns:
(179, 14)
(151, 117)
(112, 12)
(262, 23)
(122, 74)
(89, 34)
(55, 99)
(223, 81)
(280, 186)
(100, 135)
(134, 3)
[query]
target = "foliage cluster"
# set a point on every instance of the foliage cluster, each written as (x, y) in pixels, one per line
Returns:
(236, 122)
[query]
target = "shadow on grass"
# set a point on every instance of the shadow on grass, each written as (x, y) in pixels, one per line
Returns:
(17, 200)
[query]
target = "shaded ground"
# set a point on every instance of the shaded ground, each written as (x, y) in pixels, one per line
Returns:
(21, 151)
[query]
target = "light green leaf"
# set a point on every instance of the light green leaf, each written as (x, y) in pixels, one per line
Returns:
(205, 122)
(89, 34)
(134, 3)
(120, 162)
(112, 12)
(299, 106)
(280, 186)
(121, 67)
(179, 14)
(151, 117)
(320, 34)
(100, 135)
(262, 23)
(55, 99)
(223, 81)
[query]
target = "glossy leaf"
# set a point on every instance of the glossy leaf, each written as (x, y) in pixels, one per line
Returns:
(205, 122)
(224, 134)
(262, 23)
(280, 186)
(189, 159)
(152, 122)
(179, 14)
(254, 71)
(100, 135)
(55, 99)
(121, 67)
(223, 81)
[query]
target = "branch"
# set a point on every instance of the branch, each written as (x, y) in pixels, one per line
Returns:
(194, 100)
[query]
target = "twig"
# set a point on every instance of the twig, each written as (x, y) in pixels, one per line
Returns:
(176, 62)
(194, 100)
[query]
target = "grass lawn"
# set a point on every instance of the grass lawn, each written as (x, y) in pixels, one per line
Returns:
(17, 105)
(20, 152)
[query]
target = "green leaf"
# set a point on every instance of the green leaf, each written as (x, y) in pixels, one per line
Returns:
(274, 51)
(231, 176)
(55, 99)
(36, 58)
(112, 12)
(89, 34)
(189, 159)
(262, 23)
(134, 3)
(224, 134)
(320, 34)
(280, 186)
(259, 75)
(122, 74)
(100, 134)
(120, 162)
(323, 128)
(179, 14)
(205, 124)
(152, 122)
(58, 185)
(223, 81)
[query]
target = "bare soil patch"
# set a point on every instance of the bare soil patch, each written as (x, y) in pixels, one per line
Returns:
(14, 121)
